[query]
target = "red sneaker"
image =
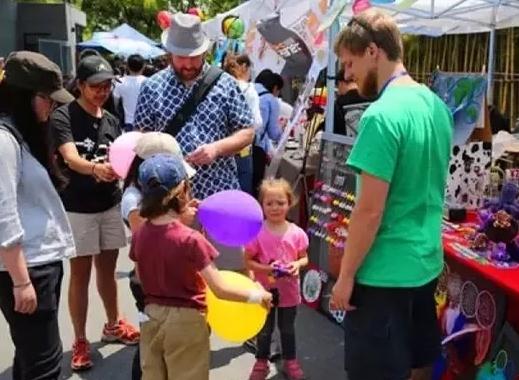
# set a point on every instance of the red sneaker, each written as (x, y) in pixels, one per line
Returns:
(81, 356)
(122, 332)
(260, 371)
(292, 370)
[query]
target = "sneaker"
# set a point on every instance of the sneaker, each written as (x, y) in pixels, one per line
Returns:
(122, 332)
(260, 371)
(81, 356)
(292, 370)
(250, 346)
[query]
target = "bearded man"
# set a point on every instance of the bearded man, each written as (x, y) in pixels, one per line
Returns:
(394, 253)
(220, 126)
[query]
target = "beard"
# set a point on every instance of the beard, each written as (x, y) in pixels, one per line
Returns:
(189, 74)
(369, 87)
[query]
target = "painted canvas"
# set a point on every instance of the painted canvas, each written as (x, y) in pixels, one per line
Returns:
(464, 94)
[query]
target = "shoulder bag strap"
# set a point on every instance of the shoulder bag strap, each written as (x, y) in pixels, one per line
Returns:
(207, 82)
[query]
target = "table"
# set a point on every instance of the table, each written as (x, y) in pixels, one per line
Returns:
(506, 280)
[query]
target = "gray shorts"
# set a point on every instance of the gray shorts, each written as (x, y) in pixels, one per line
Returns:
(97, 232)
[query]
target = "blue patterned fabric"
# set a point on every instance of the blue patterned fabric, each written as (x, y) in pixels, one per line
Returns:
(223, 112)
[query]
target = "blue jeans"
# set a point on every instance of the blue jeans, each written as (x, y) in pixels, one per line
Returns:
(245, 172)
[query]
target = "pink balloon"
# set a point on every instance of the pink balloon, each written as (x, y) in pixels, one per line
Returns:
(121, 153)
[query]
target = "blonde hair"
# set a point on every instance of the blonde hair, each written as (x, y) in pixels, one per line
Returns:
(371, 27)
(277, 184)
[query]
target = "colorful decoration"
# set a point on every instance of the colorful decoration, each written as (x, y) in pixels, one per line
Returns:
(235, 321)
(233, 27)
(121, 152)
(195, 11)
(231, 217)
(312, 287)
(164, 19)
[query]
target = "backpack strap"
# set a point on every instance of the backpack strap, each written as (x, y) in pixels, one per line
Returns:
(7, 124)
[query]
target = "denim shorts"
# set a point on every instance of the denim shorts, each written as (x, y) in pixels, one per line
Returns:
(392, 331)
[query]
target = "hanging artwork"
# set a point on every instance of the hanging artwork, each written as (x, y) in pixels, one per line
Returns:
(464, 94)
(469, 174)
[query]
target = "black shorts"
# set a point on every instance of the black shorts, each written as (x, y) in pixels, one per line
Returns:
(392, 331)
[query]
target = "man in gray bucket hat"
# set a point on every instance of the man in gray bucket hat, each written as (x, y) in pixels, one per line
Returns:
(218, 128)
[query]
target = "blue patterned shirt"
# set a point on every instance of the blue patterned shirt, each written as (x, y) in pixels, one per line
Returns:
(223, 112)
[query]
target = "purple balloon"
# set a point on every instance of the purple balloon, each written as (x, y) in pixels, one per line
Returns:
(232, 217)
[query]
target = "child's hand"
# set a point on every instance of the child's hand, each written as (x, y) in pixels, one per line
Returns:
(266, 300)
(273, 265)
(293, 268)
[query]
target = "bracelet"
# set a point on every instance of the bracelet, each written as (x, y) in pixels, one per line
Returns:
(93, 169)
(255, 296)
(22, 285)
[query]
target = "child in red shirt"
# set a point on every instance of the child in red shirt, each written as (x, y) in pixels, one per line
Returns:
(174, 264)
(275, 257)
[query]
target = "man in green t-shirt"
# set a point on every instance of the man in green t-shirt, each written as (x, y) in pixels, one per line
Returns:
(394, 253)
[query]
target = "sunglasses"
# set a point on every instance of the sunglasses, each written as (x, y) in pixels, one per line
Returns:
(364, 25)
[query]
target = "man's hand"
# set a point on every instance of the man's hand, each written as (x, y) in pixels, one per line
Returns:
(341, 295)
(204, 155)
(25, 301)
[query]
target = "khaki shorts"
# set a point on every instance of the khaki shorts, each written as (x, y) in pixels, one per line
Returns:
(174, 344)
(97, 232)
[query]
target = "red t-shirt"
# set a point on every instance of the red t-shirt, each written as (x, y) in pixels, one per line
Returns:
(169, 260)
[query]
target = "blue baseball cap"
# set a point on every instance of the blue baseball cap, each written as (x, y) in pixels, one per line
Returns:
(162, 170)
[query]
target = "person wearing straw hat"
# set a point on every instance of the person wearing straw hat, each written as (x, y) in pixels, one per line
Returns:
(35, 235)
(220, 126)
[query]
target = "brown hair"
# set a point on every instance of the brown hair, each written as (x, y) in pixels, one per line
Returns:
(233, 63)
(277, 184)
(371, 27)
(159, 201)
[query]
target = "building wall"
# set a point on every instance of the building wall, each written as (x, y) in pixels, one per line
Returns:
(57, 22)
(8, 14)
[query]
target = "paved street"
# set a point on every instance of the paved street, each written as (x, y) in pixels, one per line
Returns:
(320, 344)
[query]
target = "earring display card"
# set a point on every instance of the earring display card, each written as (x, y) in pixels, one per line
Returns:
(332, 201)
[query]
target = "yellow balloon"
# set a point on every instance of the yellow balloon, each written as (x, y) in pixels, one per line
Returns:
(235, 321)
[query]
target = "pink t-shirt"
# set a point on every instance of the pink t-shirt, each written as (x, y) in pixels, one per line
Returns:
(268, 247)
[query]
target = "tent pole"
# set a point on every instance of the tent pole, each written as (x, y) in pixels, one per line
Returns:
(330, 77)
(491, 61)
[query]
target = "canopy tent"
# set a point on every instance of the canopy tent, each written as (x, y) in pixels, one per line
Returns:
(436, 18)
(123, 41)
(126, 31)
(439, 17)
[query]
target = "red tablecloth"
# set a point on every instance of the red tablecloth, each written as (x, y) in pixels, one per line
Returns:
(505, 279)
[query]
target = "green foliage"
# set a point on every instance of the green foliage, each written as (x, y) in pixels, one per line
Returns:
(103, 15)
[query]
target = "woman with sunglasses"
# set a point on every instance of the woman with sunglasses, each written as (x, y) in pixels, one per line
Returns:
(82, 132)
(35, 235)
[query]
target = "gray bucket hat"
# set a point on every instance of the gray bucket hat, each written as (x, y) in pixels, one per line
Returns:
(185, 36)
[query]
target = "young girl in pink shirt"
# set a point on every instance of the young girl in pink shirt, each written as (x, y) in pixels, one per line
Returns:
(275, 257)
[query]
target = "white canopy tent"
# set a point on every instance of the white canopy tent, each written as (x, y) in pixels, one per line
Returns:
(436, 18)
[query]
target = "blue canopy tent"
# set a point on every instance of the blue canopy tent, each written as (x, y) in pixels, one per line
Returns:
(123, 41)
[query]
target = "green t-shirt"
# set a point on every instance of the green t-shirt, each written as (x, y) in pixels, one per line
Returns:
(405, 139)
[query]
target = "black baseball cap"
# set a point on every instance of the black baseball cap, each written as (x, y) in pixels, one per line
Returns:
(94, 70)
(34, 71)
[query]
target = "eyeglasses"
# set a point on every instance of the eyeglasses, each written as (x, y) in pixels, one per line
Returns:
(101, 87)
(48, 99)
(364, 25)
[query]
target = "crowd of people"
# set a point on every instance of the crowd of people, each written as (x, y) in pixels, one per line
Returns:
(208, 130)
